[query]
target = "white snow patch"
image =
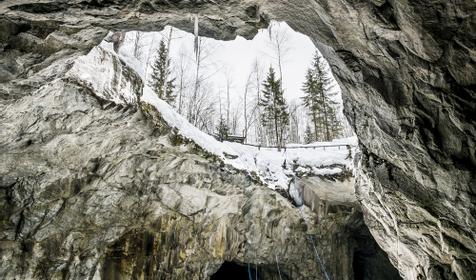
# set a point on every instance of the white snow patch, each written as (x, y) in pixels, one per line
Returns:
(274, 167)
(101, 71)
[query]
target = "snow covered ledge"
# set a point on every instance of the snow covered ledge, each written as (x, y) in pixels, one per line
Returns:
(308, 176)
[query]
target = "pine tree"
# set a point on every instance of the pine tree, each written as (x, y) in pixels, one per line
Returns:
(275, 116)
(169, 92)
(161, 83)
(318, 100)
(313, 101)
(222, 130)
(308, 135)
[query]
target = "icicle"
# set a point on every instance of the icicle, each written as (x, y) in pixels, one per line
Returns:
(195, 32)
(249, 272)
(270, 31)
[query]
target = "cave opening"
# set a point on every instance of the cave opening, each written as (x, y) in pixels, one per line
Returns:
(219, 86)
(409, 90)
(369, 261)
(232, 270)
(238, 271)
(368, 265)
(226, 93)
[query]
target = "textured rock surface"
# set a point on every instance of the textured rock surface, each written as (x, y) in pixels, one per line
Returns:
(95, 189)
(409, 89)
(407, 69)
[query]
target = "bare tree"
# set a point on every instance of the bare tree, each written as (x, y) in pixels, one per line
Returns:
(147, 59)
(245, 105)
(204, 109)
(257, 78)
(220, 104)
(181, 67)
(235, 119)
(279, 40)
(228, 87)
(251, 110)
(294, 118)
(138, 44)
(203, 52)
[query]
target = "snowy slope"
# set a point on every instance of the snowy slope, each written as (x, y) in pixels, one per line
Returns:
(278, 167)
(275, 168)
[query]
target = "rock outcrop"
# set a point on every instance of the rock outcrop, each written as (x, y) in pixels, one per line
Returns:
(407, 71)
(96, 185)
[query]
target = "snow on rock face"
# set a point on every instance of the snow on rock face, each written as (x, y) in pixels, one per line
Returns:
(275, 168)
(281, 170)
(111, 77)
(278, 168)
(107, 76)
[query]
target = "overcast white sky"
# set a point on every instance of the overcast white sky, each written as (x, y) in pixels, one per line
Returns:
(238, 56)
(235, 59)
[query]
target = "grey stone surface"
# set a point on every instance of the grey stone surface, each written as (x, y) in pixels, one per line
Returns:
(407, 70)
(94, 189)
(96, 185)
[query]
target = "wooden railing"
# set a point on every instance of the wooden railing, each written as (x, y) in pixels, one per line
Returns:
(323, 146)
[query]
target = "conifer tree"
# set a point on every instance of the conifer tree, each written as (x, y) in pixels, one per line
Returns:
(318, 100)
(308, 135)
(161, 83)
(222, 130)
(275, 116)
(312, 101)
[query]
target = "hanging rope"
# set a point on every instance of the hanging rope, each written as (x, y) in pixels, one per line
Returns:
(318, 257)
(250, 277)
(311, 240)
(277, 265)
(256, 267)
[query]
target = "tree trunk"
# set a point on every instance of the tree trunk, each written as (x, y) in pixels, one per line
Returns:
(314, 118)
(277, 133)
(167, 62)
(326, 120)
(227, 102)
(180, 94)
(246, 115)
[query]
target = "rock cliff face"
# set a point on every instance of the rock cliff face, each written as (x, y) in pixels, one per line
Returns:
(408, 79)
(408, 74)
(96, 185)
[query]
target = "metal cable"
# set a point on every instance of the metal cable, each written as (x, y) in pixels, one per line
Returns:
(311, 240)
(277, 265)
